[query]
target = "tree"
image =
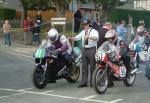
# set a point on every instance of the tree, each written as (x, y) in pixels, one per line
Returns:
(24, 4)
(61, 6)
(103, 6)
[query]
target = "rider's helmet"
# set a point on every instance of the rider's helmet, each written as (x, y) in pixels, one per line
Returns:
(140, 30)
(110, 34)
(53, 35)
(141, 22)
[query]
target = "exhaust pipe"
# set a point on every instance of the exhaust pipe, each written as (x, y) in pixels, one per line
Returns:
(135, 70)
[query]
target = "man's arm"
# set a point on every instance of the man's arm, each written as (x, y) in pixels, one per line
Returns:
(93, 36)
(77, 37)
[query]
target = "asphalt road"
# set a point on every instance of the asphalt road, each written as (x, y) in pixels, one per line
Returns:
(16, 66)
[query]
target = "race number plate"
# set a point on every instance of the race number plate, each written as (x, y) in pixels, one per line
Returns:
(122, 71)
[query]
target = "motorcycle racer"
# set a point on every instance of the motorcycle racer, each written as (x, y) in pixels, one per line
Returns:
(62, 47)
(120, 51)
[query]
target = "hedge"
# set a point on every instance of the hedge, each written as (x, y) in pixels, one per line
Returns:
(122, 14)
(6, 13)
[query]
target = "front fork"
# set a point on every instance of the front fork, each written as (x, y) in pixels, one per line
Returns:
(42, 67)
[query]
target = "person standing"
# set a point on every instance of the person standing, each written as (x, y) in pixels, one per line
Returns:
(77, 20)
(38, 18)
(39, 22)
(36, 32)
(6, 29)
(130, 30)
(29, 30)
(107, 26)
(122, 31)
(146, 38)
(94, 19)
(89, 38)
(25, 27)
(141, 24)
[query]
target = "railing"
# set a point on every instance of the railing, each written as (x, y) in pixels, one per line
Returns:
(13, 23)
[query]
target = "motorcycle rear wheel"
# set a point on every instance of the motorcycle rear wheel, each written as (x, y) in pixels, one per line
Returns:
(100, 80)
(74, 75)
(38, 79)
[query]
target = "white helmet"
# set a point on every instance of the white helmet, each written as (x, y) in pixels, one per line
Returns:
(53, 35)
(140, 29)
(110, 34)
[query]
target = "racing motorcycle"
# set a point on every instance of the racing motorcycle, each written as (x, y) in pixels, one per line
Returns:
(109, 66)
(45, 61)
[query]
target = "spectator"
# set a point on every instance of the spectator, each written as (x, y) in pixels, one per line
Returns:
(77, 20)
(85, 15)
(6, 29)
(36, 33)
(141, 24)
(29, 30)
(25, 26)
(95, 21)
(107, 26)
(130, 30)
(121, 30)
(93, 18)
(89, 38)
(38, 18)
(146, 38)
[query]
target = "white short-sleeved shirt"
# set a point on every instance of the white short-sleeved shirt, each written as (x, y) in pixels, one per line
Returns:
(91, 43)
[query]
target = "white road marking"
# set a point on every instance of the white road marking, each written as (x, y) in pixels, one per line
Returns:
(24, 89)
(88, 99)
(48, 92)
(12, 95)
(92, 100)
(116, 100)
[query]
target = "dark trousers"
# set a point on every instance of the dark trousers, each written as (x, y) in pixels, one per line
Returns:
(77, 27)
(7, 38)
(88, 59)
(126, 61)
(36, 38)
(28, 37)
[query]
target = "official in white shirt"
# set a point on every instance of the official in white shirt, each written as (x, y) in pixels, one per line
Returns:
(89, 38)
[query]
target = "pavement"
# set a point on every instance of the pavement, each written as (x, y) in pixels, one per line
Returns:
(16, 67)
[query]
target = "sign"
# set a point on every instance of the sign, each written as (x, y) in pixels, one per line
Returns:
(59, 21)
(73, 6)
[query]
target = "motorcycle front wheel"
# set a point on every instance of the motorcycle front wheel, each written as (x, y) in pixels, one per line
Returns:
(74, 74)
(130, 78)
(100, 80)
(38, 78)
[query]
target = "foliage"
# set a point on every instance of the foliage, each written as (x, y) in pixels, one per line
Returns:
(122, 14)
(6, 13)
(40, 4)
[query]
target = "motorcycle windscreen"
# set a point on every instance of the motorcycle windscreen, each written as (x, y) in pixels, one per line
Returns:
(40, 53)
(76, 51)
(107, 47)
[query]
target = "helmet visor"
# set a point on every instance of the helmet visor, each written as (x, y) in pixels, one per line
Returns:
(53, 38)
